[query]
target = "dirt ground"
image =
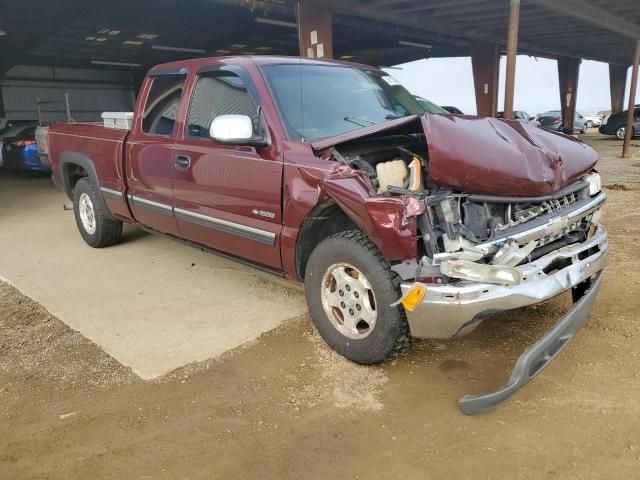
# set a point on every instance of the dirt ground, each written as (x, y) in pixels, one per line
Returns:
(286, 406)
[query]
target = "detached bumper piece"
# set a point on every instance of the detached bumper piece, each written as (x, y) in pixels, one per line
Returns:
(537, 356)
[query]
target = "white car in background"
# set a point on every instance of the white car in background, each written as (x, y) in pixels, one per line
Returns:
(592, 120)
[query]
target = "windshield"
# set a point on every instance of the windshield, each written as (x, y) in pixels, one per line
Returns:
(429, 106)
(318, 101)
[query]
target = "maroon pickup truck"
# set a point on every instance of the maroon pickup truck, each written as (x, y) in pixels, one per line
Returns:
(401, 223)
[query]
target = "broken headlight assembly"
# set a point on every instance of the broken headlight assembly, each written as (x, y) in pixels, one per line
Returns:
(594, 181)
(479, 272)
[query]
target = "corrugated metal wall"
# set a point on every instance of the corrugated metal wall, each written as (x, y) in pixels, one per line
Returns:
(91, 92)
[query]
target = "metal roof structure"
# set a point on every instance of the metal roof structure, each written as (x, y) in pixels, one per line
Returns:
(91, 33)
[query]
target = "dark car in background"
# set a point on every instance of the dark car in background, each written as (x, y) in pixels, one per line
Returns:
(552, 120)
(616, 124)
(19, 151)
(9, 128)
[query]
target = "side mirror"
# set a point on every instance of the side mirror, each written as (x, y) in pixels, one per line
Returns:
(532, 118)
(235, 130)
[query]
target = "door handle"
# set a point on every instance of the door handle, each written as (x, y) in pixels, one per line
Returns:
(182, 162)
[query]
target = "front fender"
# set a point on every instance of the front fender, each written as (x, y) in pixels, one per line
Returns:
(390, 222)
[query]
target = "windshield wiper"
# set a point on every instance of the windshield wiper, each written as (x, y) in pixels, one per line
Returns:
(394, 116)
(356, 120)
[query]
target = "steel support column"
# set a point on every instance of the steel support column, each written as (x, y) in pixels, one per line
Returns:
(512, 52)
(2, 113)
(485, 61)
(568, 74)
(314, 29)
(617, 86)
(632, 101)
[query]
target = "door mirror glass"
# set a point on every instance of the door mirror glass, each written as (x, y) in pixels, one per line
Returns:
(232, 129)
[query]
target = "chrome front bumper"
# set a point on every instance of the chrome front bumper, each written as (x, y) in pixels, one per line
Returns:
(453, 310)
(536, 357)
(449, 311)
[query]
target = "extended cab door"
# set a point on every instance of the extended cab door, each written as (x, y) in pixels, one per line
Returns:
(227, 197)
(149, 153)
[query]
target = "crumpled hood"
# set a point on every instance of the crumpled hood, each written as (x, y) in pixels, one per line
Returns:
(489, 155)
(502, 157)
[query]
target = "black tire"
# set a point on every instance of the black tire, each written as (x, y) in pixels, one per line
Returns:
(589, 124)
(107, 230)
(619, 133)
(390, 335)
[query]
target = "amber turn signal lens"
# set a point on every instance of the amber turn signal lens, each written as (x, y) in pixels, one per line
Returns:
(414, 296)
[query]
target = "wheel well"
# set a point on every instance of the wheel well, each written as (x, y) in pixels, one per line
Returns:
(72, 173)
(325, 220)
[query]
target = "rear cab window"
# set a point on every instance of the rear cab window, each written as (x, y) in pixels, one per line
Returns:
(163, 100)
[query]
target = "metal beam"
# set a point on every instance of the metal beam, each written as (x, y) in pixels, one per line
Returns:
(512, 52)
(485, 61)
(633, 89)
(315, 29)
(429, 27)
(568, 75)
(2, 112)
(429, 7)
(591, 14)
(617, 86)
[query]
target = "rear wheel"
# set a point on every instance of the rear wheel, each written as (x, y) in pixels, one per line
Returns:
(97, 228)
(349, 288)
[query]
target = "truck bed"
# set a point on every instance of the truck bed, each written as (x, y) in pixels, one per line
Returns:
(103, 148)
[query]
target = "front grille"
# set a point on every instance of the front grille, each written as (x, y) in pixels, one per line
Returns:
(519, 213)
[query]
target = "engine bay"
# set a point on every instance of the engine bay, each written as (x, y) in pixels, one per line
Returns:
(460, 226)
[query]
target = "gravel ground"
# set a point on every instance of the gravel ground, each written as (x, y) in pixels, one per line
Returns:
(286, 406)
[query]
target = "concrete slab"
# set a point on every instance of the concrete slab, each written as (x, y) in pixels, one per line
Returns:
(150, 302)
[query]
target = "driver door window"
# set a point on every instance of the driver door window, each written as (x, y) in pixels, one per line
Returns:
(215, 94)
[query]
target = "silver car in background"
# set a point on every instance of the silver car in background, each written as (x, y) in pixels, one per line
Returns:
(552, 120)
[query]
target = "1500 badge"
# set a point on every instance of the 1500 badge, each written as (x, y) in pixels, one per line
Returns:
(263, 213)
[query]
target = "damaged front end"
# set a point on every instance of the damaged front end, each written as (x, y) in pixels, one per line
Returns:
(475, 233)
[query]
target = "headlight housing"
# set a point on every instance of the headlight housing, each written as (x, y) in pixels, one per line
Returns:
(594, 181)
(479, 272)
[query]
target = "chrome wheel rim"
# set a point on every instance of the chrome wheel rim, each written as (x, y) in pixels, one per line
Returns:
(621, 131)
(349, 301)
(87, 214)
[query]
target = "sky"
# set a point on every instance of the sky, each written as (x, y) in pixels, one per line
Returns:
(449, 81)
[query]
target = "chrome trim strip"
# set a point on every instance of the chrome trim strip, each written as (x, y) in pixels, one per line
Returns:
(262, 236)
(161, 208)
(527, 234)
(537, 356)
(112, 194)
(453, 310)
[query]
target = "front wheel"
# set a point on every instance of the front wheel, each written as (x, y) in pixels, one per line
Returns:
(589, 124)
(349, 289)
(97, 228)
(620, 131)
